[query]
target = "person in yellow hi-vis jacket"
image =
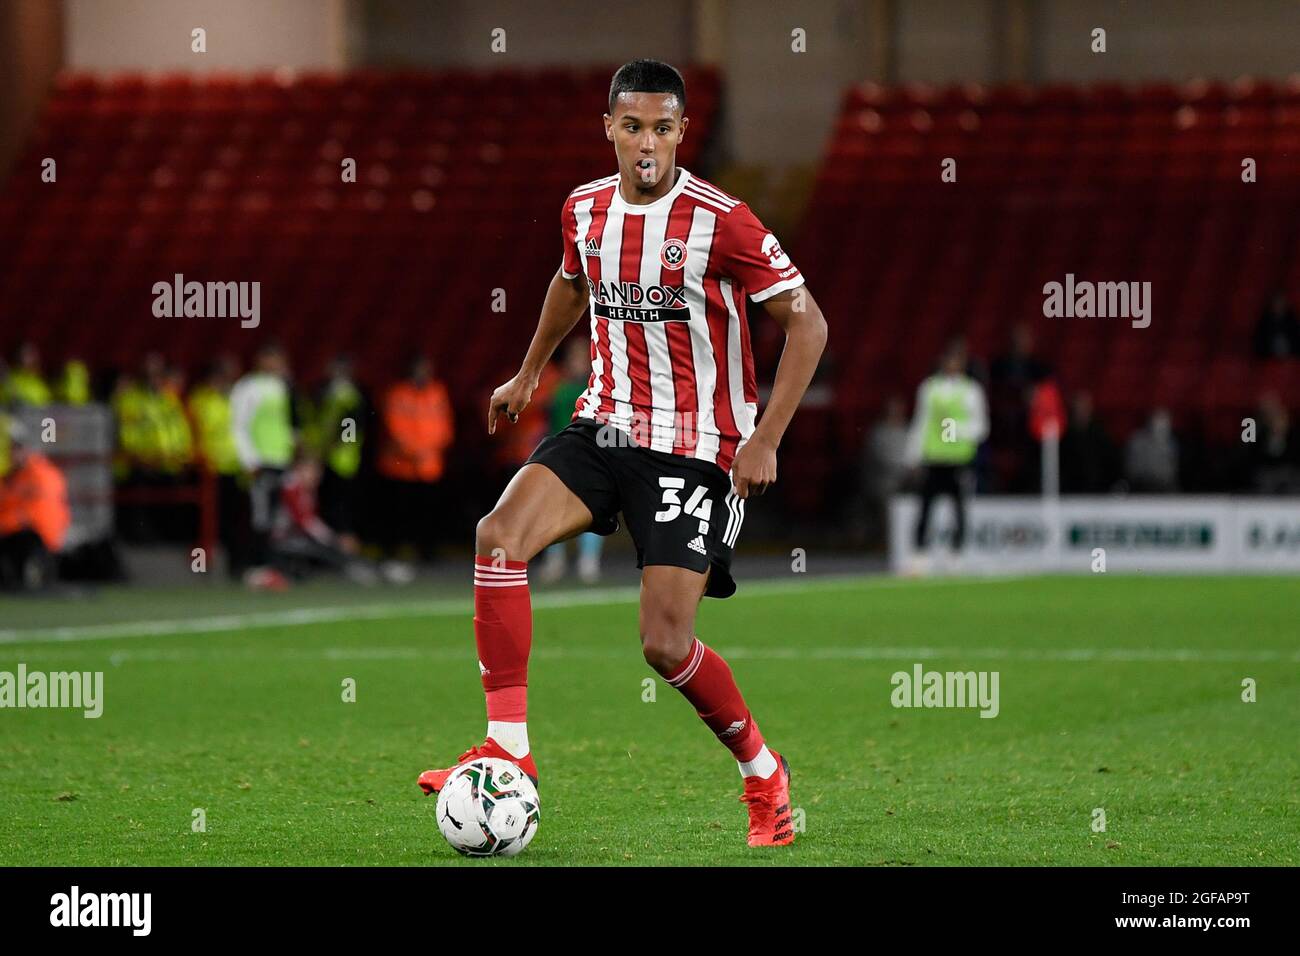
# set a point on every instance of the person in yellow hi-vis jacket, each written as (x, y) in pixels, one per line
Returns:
(209, 408)
(340, 420)
(73, 384)
(24, 384)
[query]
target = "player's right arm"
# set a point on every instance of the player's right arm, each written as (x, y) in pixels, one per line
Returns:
(566, 300)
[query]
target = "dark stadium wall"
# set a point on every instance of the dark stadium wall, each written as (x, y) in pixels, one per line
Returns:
(31, 52)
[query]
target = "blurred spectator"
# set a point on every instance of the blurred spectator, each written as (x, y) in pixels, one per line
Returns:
(1151, 457)
(515, 441)
(302, 541)
(137, 458)
(209, 409)
(263, 430)
(175, 439)
(950, 421)
(73, 385)
(155, 449)
(1013, 376)
(34, 516)
(5, 458)
(24, 384)
(1089, 463)
(418, 429)
(1018, 367)
(576, 373)
(338, 436)
(1277, 333)
(883, 467)
(1275, 454)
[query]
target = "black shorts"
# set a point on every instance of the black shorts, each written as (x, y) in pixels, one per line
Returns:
(680, 511)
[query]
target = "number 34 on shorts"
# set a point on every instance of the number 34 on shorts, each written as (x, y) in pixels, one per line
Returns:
(698, 505)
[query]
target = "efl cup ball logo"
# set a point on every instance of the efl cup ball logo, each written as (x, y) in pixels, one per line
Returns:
(673, 254)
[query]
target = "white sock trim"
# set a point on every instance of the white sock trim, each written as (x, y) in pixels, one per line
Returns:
(763, 765)
(510, 735)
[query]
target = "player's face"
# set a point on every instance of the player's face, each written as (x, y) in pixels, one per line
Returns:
(645, 129)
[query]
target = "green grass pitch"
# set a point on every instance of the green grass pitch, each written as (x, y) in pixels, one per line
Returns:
(1119, 693)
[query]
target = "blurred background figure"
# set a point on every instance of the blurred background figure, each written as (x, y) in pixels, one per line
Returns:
(418, 429)
(1013, 376)
(337, 435)
(24, 384)
(1151, 457)
(575, 374)
(73, 384)
(34, 516)
(948, 425)
(264, 441)
(1277, 333)
(1275, 453)
(1088, 456)
(883, 469)
(303, 542)
(209, 410)
(173, 440)
(155, 450)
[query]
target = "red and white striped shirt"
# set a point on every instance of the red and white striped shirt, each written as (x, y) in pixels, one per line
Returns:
(670, 356)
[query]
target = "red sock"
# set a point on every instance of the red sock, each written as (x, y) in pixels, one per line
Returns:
(705, 680)
(503, 631)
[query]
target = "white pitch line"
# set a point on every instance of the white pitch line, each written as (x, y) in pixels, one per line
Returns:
(445, 607)
(616, 650)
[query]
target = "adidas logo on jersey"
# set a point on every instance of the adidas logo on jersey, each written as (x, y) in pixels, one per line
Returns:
(698, 545)
(592, 248)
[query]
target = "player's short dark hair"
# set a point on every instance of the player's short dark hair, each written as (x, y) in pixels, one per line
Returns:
(647, 76)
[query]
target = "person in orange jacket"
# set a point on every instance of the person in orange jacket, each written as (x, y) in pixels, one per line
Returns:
(418, 429)
(34, 517)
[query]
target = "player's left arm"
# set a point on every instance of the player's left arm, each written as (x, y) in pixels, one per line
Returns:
(795, 310)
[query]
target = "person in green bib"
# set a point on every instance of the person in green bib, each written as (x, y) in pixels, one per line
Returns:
(950, 421)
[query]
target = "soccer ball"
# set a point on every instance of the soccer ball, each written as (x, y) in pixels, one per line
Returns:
(488, 807)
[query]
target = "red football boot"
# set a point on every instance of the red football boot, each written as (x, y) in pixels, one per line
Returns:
(431, 781)
(770, 820)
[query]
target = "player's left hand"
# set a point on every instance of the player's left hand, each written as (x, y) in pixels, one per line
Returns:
(754, 467)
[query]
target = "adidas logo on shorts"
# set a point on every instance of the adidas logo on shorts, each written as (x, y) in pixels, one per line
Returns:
(698, 545)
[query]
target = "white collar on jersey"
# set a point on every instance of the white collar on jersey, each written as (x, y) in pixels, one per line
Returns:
(619, 204)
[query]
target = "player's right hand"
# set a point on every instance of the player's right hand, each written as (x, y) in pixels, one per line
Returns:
(511, 398)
